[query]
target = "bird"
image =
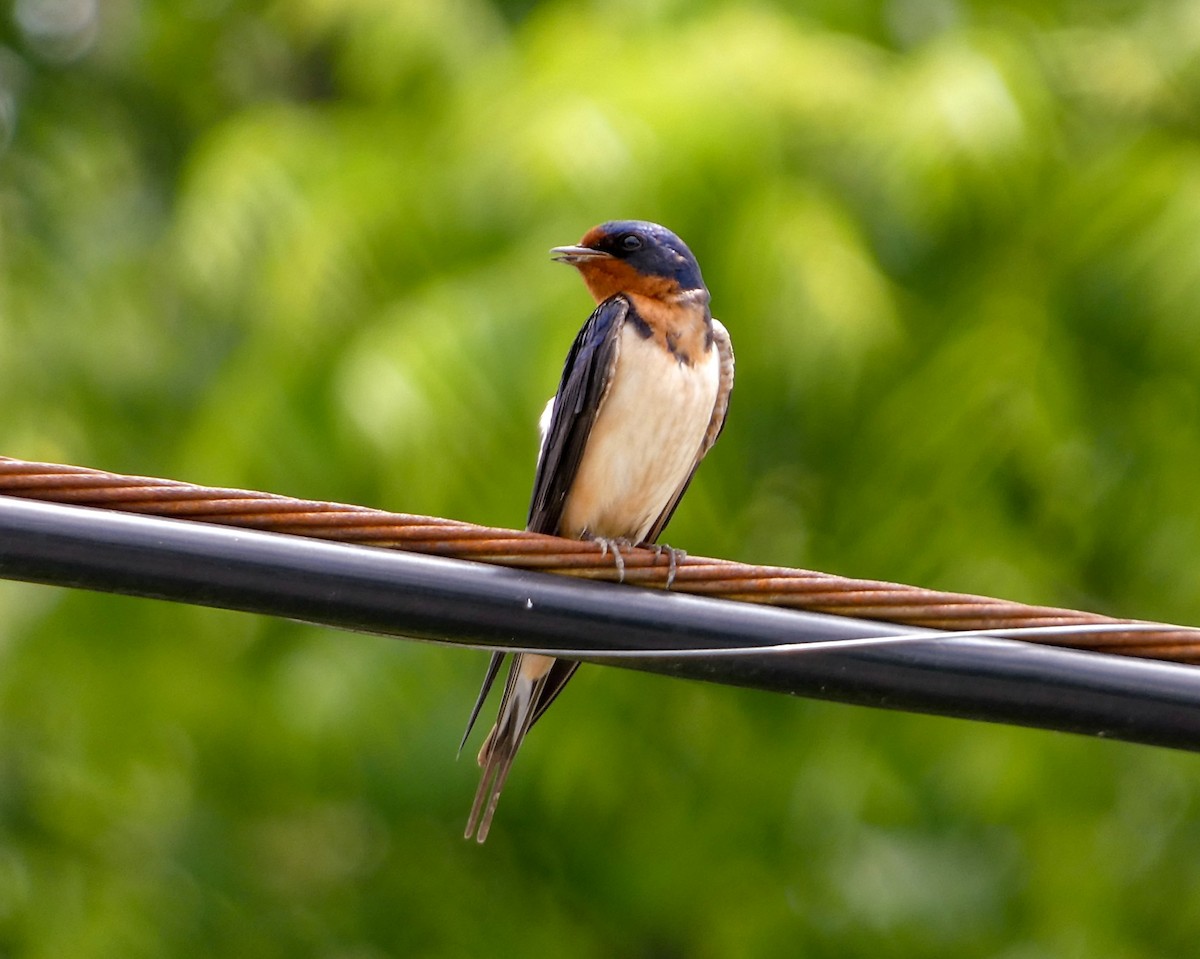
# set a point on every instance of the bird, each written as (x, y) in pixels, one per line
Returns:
(643, 396)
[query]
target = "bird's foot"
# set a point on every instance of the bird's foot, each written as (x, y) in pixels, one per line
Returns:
(614, 546)
(675, 557)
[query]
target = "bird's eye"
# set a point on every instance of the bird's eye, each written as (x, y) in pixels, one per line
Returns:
(631, 242)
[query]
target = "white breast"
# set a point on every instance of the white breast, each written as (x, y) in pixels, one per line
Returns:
(644, 443)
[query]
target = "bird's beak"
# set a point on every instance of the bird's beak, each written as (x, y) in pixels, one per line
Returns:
(575, 255)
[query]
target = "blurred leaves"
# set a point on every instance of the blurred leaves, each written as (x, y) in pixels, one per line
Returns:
(302, 247)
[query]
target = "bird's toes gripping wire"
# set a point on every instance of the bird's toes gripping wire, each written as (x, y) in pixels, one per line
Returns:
(614, 546)
(675, 558)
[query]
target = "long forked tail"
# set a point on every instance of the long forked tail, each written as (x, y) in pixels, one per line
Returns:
(518, 709)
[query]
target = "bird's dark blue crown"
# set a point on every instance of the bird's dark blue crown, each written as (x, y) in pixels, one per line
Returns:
(650, 249)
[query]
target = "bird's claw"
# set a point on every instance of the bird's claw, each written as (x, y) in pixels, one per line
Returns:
(614, 545)
(675, 558)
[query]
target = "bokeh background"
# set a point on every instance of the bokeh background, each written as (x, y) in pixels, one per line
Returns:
(301, 247)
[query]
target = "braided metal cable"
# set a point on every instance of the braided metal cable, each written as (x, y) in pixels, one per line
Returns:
(723, 579)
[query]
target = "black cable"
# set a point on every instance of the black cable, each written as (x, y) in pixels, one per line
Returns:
(452, 601)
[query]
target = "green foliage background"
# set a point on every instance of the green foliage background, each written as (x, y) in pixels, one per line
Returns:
(302, 247)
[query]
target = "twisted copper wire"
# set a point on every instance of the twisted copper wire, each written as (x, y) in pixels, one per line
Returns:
(724, 579)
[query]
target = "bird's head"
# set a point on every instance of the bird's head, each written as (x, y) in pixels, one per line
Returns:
(633, 256)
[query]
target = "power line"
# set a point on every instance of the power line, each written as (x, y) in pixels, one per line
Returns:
(454, 601)
(778, 586)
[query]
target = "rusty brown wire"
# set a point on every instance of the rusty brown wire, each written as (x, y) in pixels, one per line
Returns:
(724, 579)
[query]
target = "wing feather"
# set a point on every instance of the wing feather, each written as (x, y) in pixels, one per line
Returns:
(586, 377)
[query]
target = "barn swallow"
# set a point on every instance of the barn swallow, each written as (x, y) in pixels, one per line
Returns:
(642, 399)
